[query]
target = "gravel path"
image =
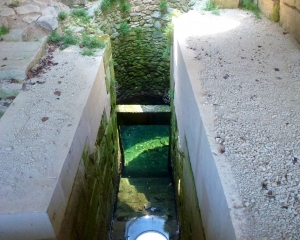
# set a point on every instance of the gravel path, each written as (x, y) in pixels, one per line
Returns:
(252, 77)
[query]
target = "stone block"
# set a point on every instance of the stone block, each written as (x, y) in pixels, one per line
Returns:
(7, 12)
(74, 2)
(290, 19)
(26, 9)
(270, 9)
(226, 3)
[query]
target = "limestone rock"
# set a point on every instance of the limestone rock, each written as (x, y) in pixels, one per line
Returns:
(14, 2)
(92, 10)
(156, 14)
(26, 9)
(15, 35)
(31, 18)
(157, 25)
(74, 2)
(3, 22)
(76, 29)
(49, 11)
(7, 12)
(49, 22)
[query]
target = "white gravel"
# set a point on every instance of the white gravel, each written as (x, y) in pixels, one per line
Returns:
(252, 77)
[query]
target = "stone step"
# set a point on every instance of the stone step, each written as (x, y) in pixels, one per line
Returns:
(16, 58)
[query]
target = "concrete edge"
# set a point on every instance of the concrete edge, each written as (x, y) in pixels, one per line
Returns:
(220, 204)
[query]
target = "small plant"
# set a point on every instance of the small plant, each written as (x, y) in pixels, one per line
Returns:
(125, 7)
(80, 13)
(3, 30)
(252, 7)
(14, 4)
(62, 16)
(105, 5)
(87, 52)
(69, 39)
(124, 28)
(163, 6)
(54, 37)
(168, 35)
(210, 6)
(138, 31)
(64, 41)
(92, 42)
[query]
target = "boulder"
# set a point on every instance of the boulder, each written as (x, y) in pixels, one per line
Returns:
(49, 22)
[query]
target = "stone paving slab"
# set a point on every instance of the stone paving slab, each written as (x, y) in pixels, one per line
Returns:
(16, 58)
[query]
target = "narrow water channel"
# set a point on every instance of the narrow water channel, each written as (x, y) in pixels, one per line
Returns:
(145, 203)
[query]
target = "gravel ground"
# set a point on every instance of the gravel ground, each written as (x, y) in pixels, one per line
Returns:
(252, 77)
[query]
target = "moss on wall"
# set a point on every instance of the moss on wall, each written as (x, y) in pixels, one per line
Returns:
(189, 215)
(90, 207)
(138, 47)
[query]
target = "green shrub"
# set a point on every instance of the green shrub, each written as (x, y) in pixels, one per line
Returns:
(163, 6)
(210, 6)
(125, 7)
(3, 30)
(124, 28)
(250, 6)
(81, 14)
(54, 37)
(69, 39)
(105, 5)
(62, 16)
(92, 42)
(87, 52)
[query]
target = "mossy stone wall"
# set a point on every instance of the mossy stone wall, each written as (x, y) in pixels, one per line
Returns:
(90, 207)
(141, 68)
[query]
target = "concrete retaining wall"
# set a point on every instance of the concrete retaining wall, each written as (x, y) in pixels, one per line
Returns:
(85, 164)
(219, 203)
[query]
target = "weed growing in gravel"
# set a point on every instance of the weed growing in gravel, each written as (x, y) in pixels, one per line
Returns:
(80, 13)
(87, 52)
(163, 6)
(210, 6)
(54, 37)
(92, 42)
(62, 16)
(3, 30)
(124, 28)
(252, 7)
(63, 41)
(68, 39)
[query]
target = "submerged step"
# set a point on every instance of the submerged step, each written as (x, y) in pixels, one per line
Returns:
(143, 114)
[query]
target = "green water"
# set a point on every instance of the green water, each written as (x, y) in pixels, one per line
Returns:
(146, 150)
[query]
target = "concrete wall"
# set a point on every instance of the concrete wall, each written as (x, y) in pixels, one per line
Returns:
(287, 12)
(90, 207)
(84, 166)
(219, 203)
